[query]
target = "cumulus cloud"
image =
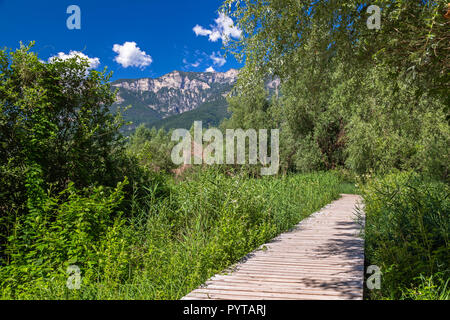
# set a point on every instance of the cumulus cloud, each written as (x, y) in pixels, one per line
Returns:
(226, 26)
(210, 69)
(93, 62)
(130, 55)
(224, 29)
(200, 31)
(218, 59)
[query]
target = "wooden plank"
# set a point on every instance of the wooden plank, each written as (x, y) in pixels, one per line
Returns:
(273, 283)
(301, 265)
(321, 258)
(242, 295)
(323, 279)
(304, 277)
(290, 271)
(247, 290)
(249, 287)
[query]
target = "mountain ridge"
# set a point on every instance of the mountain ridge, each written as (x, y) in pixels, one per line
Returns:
(177, 92)
(176, 99)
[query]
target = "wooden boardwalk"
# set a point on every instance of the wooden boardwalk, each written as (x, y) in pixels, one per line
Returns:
(321, 258)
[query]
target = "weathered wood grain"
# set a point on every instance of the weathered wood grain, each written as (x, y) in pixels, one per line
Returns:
(321, 258)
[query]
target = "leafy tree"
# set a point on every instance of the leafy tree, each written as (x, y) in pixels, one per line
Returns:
(57, 115)
(350, 96)
(249, 110)
(55, 128)
(413, 35)
(152, 148)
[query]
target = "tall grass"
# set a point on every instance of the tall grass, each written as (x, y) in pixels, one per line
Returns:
(171, 245)
(407, 235)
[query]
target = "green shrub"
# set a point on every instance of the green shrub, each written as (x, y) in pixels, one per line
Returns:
(407, 229)
(431, 288)
(82, 228)
(55, 128)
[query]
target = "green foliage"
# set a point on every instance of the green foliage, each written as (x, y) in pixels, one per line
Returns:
(170, 245)
(391, 124)
(412, 35)
(249, 111)
(432, 288)
(56, 114)
(367, 100)
(73, 227)
(58, 140)
(407, 229)
(152, 148)
(54, 125)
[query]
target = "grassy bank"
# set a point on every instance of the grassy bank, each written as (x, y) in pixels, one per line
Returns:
(168, 245)
(407, 236)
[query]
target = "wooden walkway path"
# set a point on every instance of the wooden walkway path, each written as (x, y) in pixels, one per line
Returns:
(321, 258)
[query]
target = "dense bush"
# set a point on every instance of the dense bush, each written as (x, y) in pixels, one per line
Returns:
(56, 130)
(407, 230)
(73, 227)
(55, 125)
(57, 116)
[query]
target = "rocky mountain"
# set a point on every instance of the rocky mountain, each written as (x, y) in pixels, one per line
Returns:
(175, 93)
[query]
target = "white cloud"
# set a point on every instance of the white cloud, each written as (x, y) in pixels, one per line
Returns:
(191, 64)
(226, 26)
(210, 69)
(93, 62)
(223, 29)
(130, 55)
(200, 31)
(218, 59)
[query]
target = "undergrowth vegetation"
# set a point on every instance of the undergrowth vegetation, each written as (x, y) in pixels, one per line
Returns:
(407, 235)
(168, 245)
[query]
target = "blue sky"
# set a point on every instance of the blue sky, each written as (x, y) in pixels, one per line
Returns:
(149, 37)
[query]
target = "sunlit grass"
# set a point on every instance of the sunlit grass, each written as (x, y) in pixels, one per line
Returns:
(208, 222)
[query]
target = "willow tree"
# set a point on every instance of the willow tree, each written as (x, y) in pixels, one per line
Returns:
(324, 52)
(413, 35)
